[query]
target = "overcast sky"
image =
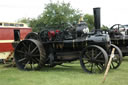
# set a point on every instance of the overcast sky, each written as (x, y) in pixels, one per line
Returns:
(112, 11)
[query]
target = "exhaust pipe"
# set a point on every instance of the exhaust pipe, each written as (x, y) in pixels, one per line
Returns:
(96, 12)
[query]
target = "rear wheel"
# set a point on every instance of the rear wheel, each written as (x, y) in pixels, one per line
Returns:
(94, 59)
(29, 55)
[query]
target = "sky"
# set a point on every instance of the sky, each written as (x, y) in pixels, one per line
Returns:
(112, 11)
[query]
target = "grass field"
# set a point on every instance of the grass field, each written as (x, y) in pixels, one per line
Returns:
(72, 75)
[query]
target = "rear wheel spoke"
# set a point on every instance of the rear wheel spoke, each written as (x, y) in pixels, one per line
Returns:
(34, 60)
(33, 50)
(35, 55)
(26, 49)
(23, 59)
(37, 59)
(29, 47)
(19, 51)
(26, 64)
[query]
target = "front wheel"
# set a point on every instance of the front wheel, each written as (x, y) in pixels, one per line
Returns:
(94, 59)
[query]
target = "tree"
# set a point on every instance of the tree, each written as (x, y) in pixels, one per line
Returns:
(104, 27)
(24, 20)
(89, 19)
(56, 16)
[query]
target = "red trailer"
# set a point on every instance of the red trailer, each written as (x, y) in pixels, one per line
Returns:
(9, 33)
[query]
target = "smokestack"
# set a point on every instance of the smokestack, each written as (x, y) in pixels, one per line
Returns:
(96, 17)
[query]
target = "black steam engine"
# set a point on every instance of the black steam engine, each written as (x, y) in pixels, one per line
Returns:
(119, 37)
(55, 47)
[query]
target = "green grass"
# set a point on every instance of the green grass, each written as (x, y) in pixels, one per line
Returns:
(72, 75)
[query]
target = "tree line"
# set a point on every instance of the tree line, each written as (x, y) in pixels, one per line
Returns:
(58, 16)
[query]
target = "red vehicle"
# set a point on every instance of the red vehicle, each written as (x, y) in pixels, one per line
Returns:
(10, 32)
